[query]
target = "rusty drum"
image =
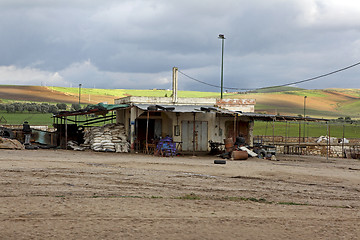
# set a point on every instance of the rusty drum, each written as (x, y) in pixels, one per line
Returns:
(239, 155)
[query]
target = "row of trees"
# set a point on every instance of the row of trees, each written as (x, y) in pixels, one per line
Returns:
(37, 107)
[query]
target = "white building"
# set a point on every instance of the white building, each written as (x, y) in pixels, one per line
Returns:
(191, 122)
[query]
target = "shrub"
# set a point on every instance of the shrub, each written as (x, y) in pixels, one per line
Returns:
(61, 106)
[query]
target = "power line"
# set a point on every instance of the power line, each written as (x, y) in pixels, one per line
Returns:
(282, 85)
(212, 85)
(314, 78)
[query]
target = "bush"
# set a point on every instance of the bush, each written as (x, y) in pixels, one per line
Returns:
(53, 109)
(44, 108)
(2, 106)
(75, 106)
(61, 106)
(10, 108)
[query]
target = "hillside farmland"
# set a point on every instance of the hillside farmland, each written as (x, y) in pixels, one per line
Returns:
(327, 103)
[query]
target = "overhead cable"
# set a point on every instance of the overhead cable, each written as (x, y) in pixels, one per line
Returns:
(314, 78)
(212, 85)
(282, 85)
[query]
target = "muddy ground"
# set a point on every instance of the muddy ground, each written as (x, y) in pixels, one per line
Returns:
(58, 194)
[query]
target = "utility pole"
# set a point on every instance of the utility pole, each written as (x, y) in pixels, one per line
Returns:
(79, 92)
(222, 37)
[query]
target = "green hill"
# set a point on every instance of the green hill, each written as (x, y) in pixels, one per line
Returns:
(327, 103)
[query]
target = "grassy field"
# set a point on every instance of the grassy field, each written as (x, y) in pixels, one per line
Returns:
(43, 119)
(327, 103)
(32, 118)
(118, 93)
(291, 129)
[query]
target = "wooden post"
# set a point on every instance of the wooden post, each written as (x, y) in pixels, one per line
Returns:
(328, 140)
(194, 135)
(299, 137)
(66, 132)
(286, 134)
(147, 133)
(342, 145)
(273, 131)
(234, 135)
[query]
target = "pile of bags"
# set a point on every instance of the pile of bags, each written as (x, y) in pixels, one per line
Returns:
(108, 138)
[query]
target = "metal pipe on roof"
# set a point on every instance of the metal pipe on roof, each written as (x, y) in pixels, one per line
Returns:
(175, 85)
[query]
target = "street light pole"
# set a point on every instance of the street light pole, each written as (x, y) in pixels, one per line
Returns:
(222, 37)
(79, 92)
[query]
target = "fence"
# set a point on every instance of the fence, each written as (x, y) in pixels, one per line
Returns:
(331, 139)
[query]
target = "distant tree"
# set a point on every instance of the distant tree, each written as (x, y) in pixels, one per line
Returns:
(347, 119)
(19, 107)
(31, 108)
(75, 106)
(44, 107)
(53, 109)
(2, 106)
(61, 106)
(37, 107)
(340, 119)
(10, 108)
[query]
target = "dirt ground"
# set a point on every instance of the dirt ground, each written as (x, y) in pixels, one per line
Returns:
(58, 194)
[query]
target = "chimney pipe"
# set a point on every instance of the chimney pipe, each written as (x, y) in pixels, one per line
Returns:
(175, 85)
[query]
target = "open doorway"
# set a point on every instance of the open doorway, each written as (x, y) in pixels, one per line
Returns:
(154, 131)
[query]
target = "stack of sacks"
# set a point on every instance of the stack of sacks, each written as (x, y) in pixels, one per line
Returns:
(108, 138)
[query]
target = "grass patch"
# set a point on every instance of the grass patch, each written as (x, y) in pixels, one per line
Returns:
(304, 92)
(191, 196)
(278, 89)
(116, 196)
(156, 197)
(44, 119)
(251, 199)
(292, 204)
(32, 118)
(291, 129)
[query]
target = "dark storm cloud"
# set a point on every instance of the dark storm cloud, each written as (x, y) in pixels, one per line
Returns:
(134, 44)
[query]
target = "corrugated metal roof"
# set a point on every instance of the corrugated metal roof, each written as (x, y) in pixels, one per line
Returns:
(212, 109)
(101, 107)
(172, 108)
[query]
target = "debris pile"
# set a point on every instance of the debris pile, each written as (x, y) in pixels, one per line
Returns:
(75, 146)
(6, 143)
(108, 138)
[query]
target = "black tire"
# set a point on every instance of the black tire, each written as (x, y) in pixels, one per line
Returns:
(219, 161)
(7, 133)
(261, 154)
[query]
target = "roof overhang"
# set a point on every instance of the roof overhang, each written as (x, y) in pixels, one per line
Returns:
(97, 109)
(211, 109)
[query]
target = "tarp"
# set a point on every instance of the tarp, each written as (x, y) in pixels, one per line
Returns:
(108, 107)
(93, 109)
(6, 143)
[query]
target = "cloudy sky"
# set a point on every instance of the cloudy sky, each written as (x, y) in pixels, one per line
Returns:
(135, 43)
